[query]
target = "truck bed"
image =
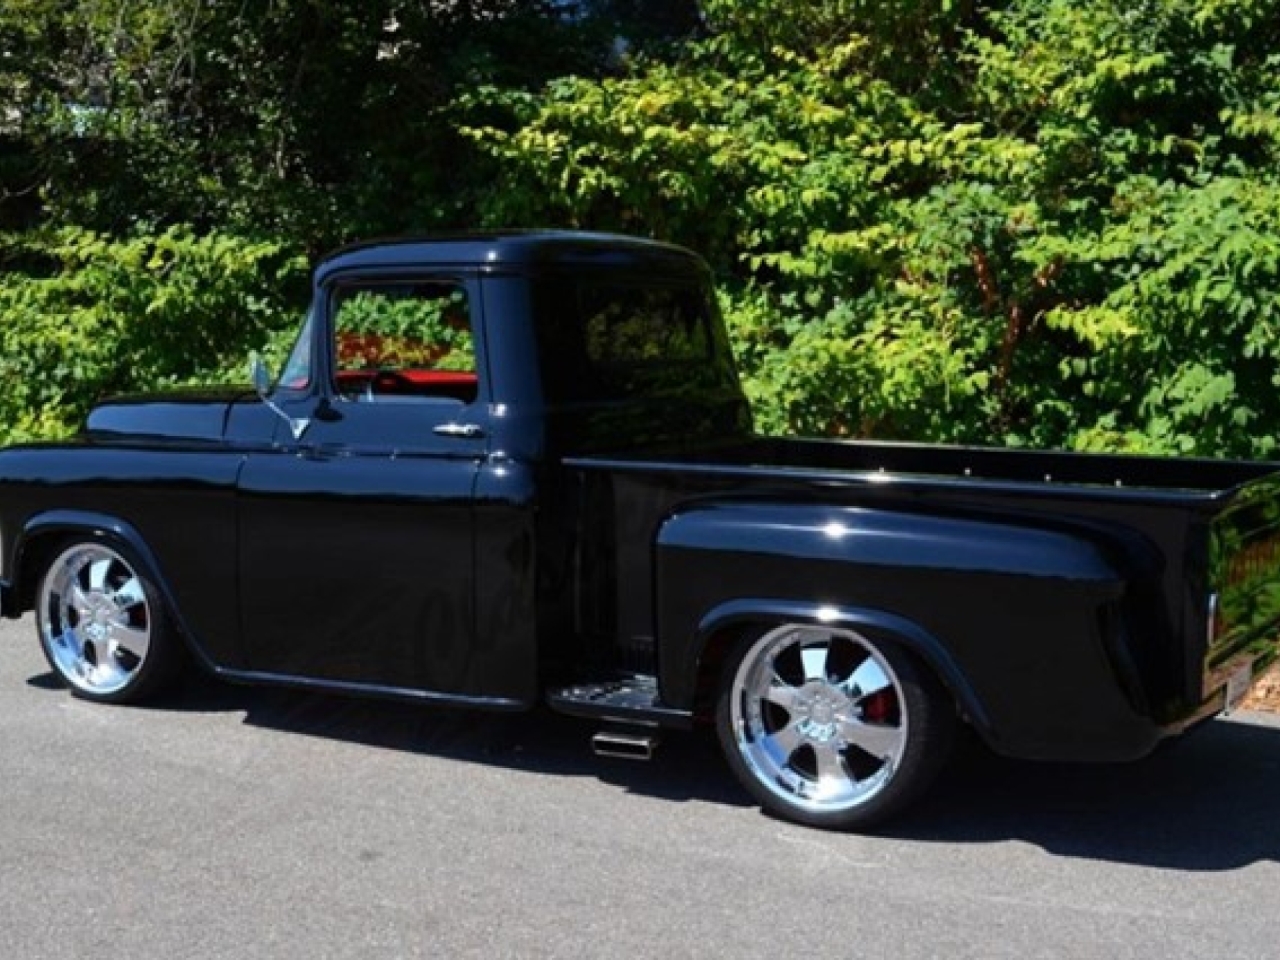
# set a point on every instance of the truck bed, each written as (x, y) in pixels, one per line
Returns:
(1182, 534)
(960, 470)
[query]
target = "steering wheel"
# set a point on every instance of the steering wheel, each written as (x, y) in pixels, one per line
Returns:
(389, 381)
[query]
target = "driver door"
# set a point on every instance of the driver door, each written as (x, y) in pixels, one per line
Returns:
(357, 537)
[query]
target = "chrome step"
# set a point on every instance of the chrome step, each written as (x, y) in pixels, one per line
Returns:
(633, 701)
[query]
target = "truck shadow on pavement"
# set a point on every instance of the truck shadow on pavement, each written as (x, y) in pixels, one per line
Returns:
(687, 766)
(1208, 801)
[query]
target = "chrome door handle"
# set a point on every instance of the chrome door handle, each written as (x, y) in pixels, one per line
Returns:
(466, 431)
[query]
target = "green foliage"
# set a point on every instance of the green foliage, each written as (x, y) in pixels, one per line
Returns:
(317, 120)
(1031, 222)
(427, 328)
(83, 316)
(1052, 223)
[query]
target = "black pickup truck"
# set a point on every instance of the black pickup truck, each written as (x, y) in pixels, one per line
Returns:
(518, 469)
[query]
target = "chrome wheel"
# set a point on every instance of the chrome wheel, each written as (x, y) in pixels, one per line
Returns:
(826, 727)
(96, 620)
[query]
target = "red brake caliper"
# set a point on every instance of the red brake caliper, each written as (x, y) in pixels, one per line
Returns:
(878, 707)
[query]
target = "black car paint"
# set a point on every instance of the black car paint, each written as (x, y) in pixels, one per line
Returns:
(1062, 598)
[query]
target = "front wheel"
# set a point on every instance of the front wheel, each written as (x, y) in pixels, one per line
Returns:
(102, 625)
(828, 728)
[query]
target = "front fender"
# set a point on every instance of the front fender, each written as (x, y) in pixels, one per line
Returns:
(45, 529)
(172, 505)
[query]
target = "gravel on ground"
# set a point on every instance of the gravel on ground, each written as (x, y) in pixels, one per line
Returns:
(1265, 695)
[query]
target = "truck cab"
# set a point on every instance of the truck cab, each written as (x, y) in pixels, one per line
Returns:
(414, 468)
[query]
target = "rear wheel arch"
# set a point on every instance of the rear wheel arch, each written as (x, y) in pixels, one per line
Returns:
(724, 626)
(714, 647)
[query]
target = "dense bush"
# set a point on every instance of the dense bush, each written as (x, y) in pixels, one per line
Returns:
(84, 316)
(1037, 222)
(1063, 231)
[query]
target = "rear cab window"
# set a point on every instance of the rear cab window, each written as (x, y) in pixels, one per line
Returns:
(611, 338)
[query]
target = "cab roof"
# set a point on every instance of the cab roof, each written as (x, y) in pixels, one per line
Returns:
(511, 250)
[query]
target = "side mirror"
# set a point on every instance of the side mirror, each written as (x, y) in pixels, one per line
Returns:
(260, 375)
(261, 378)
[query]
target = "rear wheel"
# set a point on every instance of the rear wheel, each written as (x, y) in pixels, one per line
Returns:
(828, 728)
(103, 626)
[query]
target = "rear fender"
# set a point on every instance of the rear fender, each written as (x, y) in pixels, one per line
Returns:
(1015, 615)
(1025, 547)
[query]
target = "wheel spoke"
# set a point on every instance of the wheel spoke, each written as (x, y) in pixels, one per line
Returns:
(98, 571)
(76, 597)
(131, 639)
(130, 594)
(68, 641)
(830, 764)
(104, 663)
(785, 741)
(814, 660)
(781, 693)
(867, 679)
(78, 659)
(879, 740)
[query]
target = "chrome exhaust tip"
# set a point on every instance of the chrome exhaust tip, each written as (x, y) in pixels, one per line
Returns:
(624, 744)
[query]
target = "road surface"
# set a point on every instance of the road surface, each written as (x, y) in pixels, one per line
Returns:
(229, 822)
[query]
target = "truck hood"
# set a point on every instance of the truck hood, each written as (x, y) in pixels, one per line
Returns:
(196, 414)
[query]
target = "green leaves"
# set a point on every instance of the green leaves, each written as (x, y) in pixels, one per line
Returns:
(1064, 235)
(82, 316)
(1038, 222)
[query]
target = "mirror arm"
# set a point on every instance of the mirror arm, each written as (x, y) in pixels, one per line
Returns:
(261, 384)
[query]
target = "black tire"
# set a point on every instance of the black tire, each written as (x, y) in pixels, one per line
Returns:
(102, 624)
(828, 728)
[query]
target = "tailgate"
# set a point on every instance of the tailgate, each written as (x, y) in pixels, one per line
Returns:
(1244, 580)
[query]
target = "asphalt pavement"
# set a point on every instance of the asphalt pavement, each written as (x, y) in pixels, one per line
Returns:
(231, 822)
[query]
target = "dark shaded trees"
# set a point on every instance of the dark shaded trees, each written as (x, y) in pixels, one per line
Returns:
(1033, 221)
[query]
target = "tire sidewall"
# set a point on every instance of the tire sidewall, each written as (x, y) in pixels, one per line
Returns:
(930, 717)
(160, 663)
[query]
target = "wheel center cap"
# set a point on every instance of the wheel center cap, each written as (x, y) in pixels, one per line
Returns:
(101, 611)
(818, 712)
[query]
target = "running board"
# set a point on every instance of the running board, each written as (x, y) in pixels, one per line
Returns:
(631, 701)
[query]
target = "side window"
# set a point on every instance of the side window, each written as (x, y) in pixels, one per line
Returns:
(404, 343)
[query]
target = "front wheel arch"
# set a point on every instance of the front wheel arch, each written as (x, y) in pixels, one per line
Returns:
(43, 535)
